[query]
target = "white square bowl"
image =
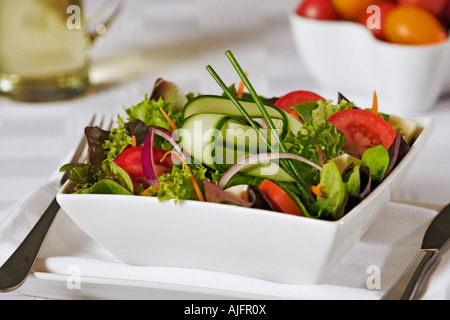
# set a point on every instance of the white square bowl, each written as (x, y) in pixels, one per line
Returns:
(345, 56)
(281, 248)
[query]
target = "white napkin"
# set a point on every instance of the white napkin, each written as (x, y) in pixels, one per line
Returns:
(385, 250)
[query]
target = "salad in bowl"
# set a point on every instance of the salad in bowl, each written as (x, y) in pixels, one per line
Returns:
(277, 188)
(319, 160)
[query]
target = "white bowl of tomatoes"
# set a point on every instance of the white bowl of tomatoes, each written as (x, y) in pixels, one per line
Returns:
(399, 48)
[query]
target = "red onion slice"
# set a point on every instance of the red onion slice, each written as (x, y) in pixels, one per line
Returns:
(148, 161)
(253, 159)
(168, 135)
(262, 123)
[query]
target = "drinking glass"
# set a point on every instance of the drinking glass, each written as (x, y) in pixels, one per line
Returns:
(45, 48)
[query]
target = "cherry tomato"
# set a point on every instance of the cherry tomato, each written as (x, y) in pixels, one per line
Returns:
(414, 26)
(446, 15)
(352, 9)
(368, 19)
(436, 7)
(363, 130)
(317, 9)
(279, 199)
(296, 97)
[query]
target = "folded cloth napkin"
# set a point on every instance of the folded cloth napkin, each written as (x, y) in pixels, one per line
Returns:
(366, 272)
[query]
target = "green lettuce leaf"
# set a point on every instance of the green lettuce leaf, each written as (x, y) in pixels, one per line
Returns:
(329, 204)
(377, 159)
(113, 172)
(105, 187)
(325, 136)
(178, 185)
(119, 138)
(305, 110)
(326, 109)
(82, 176)
(149, 112)
(109, 179)
(352, 180)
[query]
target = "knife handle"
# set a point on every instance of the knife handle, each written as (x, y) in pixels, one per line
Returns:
(406, 286)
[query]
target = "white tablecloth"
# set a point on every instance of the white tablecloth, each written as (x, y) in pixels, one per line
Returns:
(176, 40)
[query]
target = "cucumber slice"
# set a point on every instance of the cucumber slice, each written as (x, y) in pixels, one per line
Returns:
(218, 141)
(271, 171)
(198, 134)
(239, 136)
(222, 105)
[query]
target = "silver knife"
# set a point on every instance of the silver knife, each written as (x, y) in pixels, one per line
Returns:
(436, 237)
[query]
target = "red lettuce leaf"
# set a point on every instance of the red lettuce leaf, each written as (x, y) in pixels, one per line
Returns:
(95, 138)
(139, 130)
(256, 198)
(397, 152)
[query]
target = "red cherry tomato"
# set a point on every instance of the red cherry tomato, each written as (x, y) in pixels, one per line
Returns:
(436, 7)
(413, 25)
(279, 199)
(446, 16)
(317, 9)
(377, 27)
(363, 130)
(296, 97)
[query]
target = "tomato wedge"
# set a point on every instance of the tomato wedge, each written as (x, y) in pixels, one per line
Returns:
(130, 161)
(296, 97)
(279, 199)
(158, 154)
(363, 130)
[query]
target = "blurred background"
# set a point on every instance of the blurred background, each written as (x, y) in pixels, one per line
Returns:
(174, 40)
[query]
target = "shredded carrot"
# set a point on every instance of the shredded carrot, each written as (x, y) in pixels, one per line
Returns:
(133, 141)
(294, 114)
(375, 103)
(171, 123)
(196, 187)
(156, 188)
(317, 190)
(240, 92)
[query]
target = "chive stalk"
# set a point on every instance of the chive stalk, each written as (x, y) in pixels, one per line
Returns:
(238, 105)
(288, 164)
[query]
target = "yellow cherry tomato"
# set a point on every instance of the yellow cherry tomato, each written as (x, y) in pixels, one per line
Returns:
(413, 25)
(352, 9)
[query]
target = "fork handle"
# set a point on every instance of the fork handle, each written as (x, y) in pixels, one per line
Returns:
(17, 268)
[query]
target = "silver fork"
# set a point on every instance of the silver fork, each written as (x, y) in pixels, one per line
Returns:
(16, 269)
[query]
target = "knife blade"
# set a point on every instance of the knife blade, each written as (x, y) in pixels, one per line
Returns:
(435, 239)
